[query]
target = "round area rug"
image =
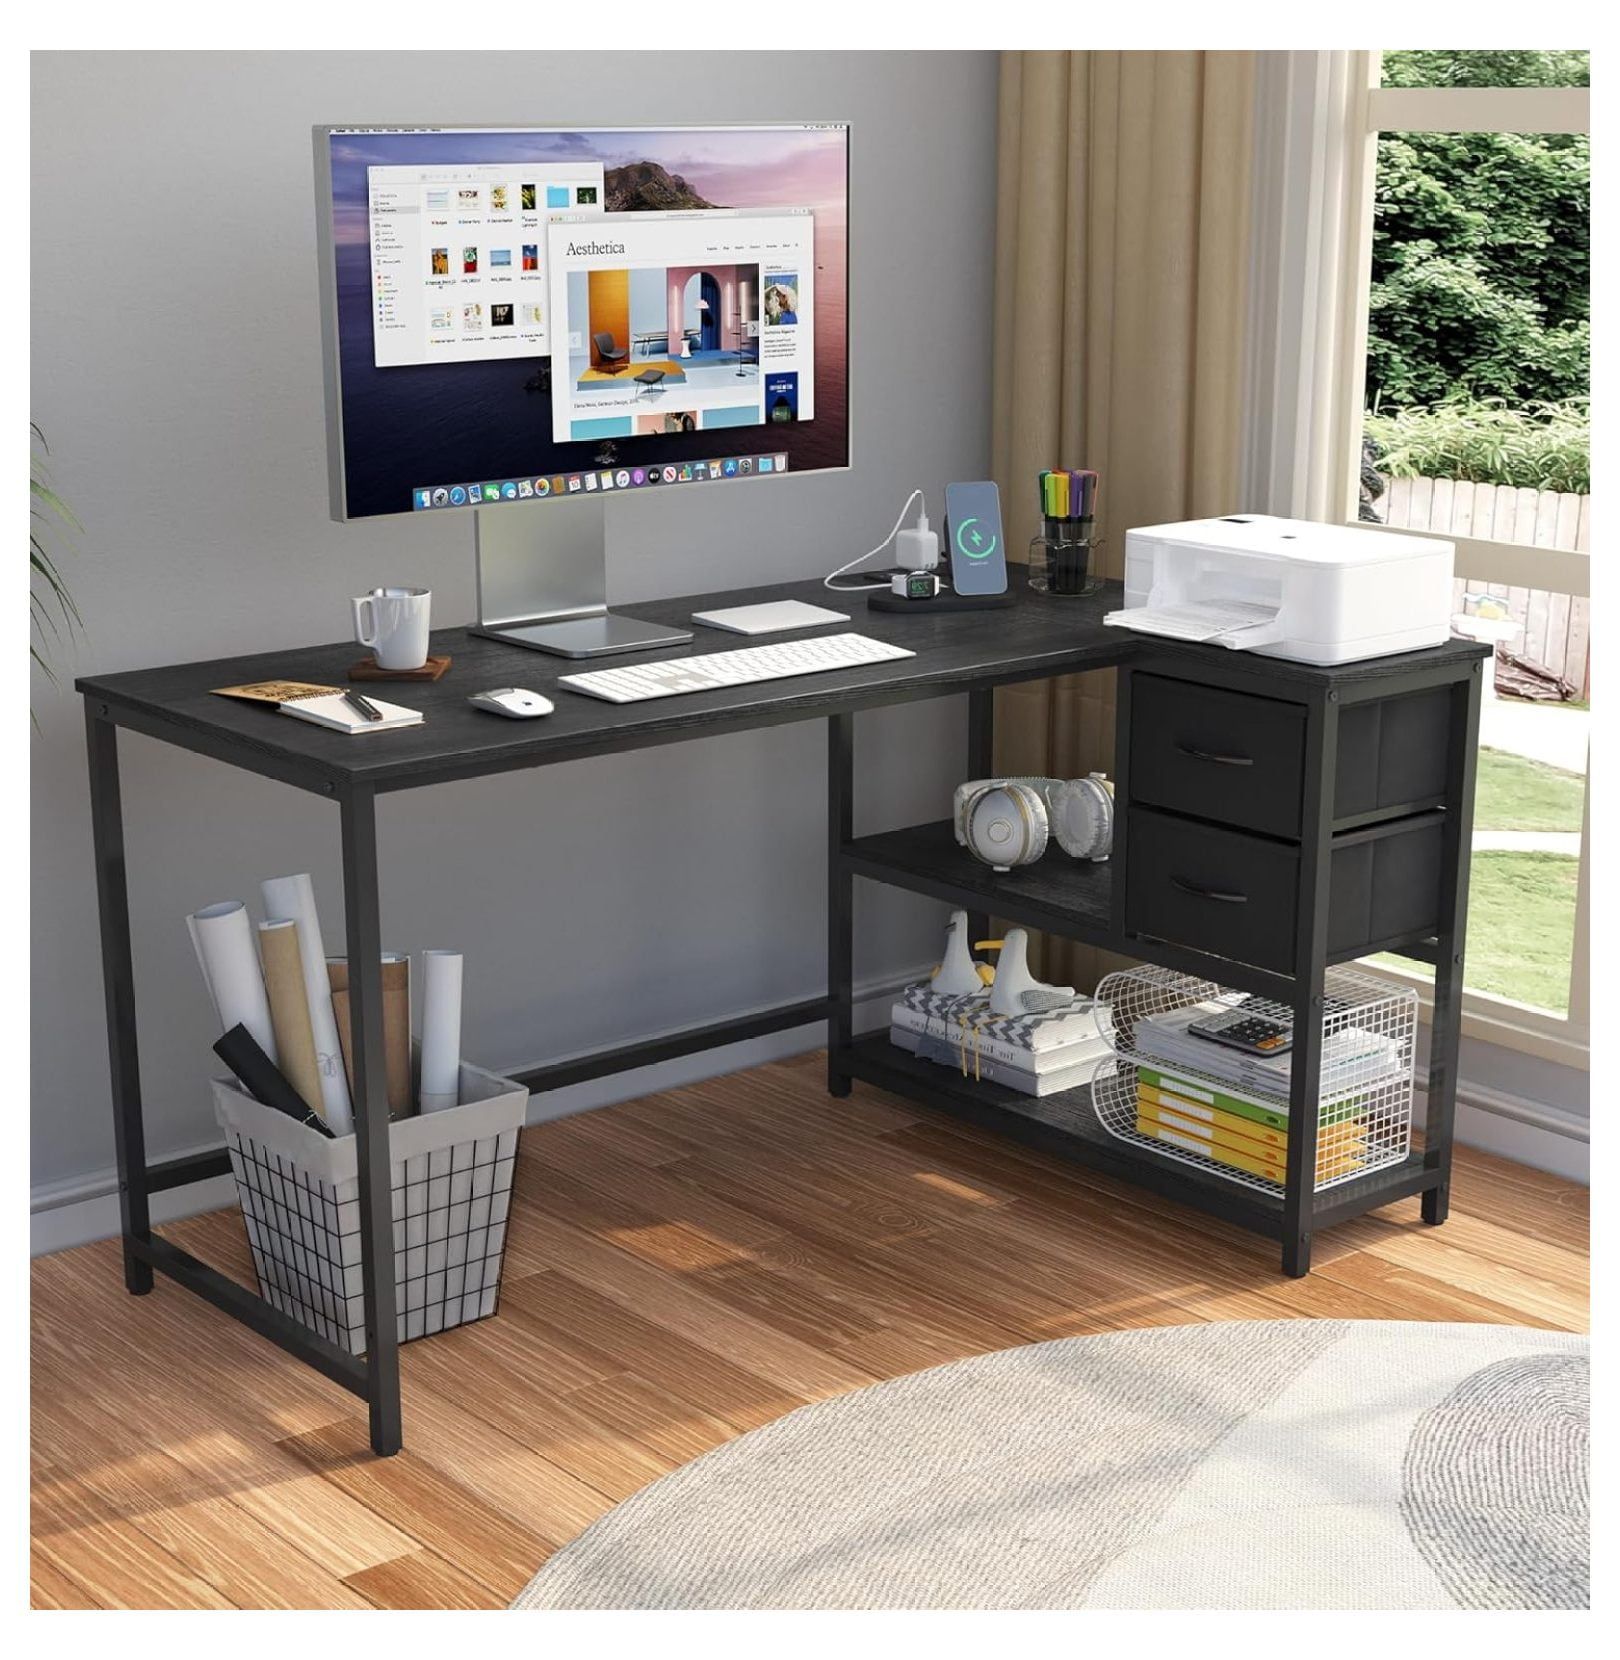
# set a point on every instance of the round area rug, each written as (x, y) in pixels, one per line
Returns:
(1289, 1464)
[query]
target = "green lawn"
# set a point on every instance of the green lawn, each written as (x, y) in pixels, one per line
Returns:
(1521, 926)
(1513, 793)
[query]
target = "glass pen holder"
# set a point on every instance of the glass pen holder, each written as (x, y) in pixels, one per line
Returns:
(1061, 558)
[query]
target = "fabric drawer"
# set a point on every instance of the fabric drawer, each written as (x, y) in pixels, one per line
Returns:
(1236, 896)
(1226, 756)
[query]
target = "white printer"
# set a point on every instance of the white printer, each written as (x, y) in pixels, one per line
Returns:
(1315, 593)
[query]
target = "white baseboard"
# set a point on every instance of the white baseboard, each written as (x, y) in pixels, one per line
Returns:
(78, 1211)
(74, 1213)
(1524, 1131)
(85, 1208)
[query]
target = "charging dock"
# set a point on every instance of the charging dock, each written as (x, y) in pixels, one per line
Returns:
(885, 601)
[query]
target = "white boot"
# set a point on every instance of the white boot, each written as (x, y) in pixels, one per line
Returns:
(958, 975)
(1016, 990)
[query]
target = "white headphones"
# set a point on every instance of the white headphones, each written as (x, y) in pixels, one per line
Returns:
(1009, 821)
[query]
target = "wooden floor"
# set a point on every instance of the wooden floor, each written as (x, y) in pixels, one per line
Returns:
(681, 1269)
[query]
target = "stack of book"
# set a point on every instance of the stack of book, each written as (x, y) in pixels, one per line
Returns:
(1231, 1106)
(1036, 1054)
(1237, 1129)
(1352, 1058)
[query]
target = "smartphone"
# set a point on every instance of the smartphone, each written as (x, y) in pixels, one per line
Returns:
(977, 546)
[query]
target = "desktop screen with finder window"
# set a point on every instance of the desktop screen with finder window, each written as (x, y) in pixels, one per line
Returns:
(525, 313)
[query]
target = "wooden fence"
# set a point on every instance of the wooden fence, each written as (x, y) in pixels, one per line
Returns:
(1556, 626)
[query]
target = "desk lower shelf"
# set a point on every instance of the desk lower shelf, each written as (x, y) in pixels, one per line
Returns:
(1064, 1124)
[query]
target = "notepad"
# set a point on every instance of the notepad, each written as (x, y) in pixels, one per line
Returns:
(323, 706)
(340, 717)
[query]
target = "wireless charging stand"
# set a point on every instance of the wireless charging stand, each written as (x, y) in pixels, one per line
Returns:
(542, 583)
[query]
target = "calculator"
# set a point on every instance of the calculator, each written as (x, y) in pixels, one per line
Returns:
(1241, 1028)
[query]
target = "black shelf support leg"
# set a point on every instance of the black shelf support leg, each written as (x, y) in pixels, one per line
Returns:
(118, 980)
(1310, 951)
(363, 934)
(1445, 1029)
(981, 762)
(840, 901)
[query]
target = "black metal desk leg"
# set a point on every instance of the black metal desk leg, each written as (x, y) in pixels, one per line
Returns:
(840, 899)
(118, 979)
(981, 763)
(1310, 954)
(1303, 1089)
(363, 933)
(1445, 1029)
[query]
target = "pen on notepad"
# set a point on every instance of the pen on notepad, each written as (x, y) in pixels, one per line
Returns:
(362, 705)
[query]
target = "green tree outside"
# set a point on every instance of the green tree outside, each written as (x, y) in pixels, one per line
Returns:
(1482, 256)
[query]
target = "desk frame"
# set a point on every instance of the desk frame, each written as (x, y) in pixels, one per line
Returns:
(374, 1376)
(110, 705)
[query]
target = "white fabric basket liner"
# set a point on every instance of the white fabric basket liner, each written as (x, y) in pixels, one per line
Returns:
(450, 1187)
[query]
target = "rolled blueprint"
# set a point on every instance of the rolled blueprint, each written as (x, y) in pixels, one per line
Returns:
(294, 897)
(263, 1079)
(289, 1009)
(396, 1001)
(396, 984)
(223, 940)
(441, 1030)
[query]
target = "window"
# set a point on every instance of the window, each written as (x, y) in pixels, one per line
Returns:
(1465, 413)
(1486, 69)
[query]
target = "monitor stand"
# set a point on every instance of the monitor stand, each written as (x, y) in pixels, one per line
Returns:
(542, 583)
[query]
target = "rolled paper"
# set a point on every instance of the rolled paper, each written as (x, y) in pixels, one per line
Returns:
(263, 1079)
(396, 985)
(441, 1030)
(289, 1008)
(294, 896)
(223, 940)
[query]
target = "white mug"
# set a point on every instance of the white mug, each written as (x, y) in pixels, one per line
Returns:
(397, 630)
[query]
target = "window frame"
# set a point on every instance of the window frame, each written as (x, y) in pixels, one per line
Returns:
(1369, 110)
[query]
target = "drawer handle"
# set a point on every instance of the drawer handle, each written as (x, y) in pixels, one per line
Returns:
(1219, 760)
(1209, 893)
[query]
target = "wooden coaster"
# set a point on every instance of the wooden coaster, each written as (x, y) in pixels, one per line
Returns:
(366, 669)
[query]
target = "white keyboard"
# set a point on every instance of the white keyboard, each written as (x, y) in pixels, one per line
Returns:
(636, 682)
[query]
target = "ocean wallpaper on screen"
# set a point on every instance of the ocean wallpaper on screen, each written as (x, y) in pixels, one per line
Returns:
(456, 423)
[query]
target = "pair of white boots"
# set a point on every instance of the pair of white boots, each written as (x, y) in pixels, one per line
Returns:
(1013, 991)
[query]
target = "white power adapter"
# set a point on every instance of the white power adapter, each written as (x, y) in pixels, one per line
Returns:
(917, 550)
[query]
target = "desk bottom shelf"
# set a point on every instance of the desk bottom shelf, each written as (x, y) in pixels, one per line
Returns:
(1064, 1125)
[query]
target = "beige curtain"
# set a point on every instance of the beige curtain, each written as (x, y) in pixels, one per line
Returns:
(1121, 296)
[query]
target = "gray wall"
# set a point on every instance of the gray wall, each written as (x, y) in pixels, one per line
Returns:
(177, 374)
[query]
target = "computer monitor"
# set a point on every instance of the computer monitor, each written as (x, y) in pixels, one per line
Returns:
(524, 322)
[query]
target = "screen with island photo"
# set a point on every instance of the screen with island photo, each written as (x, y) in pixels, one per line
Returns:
(517, 304)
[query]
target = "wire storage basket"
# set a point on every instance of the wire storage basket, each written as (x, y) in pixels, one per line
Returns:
(1225, 1110)
(450, 1188)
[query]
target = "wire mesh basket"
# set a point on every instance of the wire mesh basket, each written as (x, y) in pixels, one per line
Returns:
(1225, 1110)
(450, 1188)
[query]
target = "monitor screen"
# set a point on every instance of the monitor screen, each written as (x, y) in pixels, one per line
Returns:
(517, 314)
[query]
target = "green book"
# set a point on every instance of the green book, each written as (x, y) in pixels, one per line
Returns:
(1274, 1117)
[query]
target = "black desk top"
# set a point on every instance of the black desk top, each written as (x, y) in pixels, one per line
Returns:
(955, 652)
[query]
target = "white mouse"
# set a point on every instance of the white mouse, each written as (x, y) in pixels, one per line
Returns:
(513, 702)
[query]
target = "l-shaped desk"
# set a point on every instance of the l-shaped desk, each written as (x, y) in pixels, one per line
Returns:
(1275, 818)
